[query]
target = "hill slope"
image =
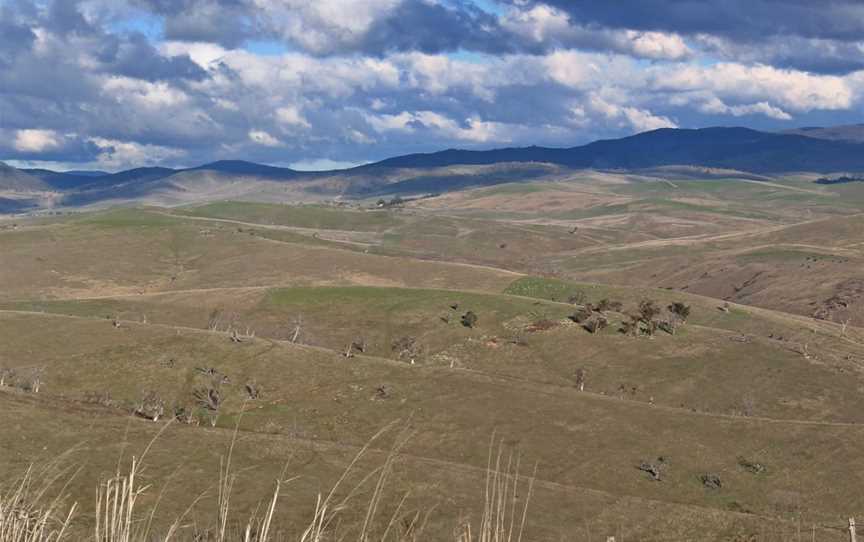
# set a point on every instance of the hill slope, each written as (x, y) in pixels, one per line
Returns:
(728, 150)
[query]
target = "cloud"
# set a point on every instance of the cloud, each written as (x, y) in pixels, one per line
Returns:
(108, 82)
(825, 37)
(323, 164)
(261, 137)
(837, 19)
(716, 106)
(795, 90)
(34, 141)
(639, 119)
(290, 115)
(115, 155)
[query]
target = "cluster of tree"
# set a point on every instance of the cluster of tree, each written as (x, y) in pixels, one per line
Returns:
(650, 317)
(394, 202)
(840, 180)
(593, 317)
(206, 399)
(27, 379)
(407, 349)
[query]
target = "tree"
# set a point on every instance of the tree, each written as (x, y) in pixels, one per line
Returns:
(581, 315)
(648, 311)
(469, 319)
(407, 348)
(596, 324)
(680, 310)
(678, 314)
(630, 327)
(151, 406)
(580, 378)
(608, 305)
(210, 399)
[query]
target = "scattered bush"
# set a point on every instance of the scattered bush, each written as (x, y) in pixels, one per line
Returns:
(596, 324)
(469, 319)
(581, 315)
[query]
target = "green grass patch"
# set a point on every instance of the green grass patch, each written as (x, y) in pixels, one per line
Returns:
(128, 217)
(301, 216)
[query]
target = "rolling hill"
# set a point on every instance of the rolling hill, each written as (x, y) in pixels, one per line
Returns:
(737, 150)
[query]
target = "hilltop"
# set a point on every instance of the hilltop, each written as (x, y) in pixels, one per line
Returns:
(702, 152)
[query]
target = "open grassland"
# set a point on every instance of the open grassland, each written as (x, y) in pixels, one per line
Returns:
(585, 441)
(308, 329)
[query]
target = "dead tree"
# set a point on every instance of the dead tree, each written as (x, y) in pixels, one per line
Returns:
(151, 406)
(406, 348)
(217, 378)
(252, 390)
(652, 470)
(185, 414)
(7, 377)
(580, 378)
(237, 337)
(214, 320)
(210, 399)
(711, 481)
(298, 326)
(33, 382)
(752, 467)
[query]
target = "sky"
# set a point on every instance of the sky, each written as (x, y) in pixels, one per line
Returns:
(317, 84)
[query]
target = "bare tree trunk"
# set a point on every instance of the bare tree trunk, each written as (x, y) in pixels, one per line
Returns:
(297, 329)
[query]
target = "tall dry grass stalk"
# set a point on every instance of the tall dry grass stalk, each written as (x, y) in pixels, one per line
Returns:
(25, 513)
(502, 519)
(119, 516)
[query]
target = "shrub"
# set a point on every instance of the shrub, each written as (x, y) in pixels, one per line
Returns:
(469, 319)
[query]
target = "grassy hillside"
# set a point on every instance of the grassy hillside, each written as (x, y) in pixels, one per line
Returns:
(309, 329)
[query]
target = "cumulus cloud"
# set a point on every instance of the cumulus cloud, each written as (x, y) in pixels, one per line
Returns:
(261, 137)
(824, 37)
(114, 154)
(131, 82)
(33, 140)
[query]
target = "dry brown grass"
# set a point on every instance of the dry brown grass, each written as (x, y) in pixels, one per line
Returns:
(26, 515)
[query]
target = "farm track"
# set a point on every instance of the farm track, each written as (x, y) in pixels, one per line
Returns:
(699, 239)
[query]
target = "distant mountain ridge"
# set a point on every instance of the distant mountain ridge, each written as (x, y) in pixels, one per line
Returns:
(817, 150)
(731, 148)
(847, 132)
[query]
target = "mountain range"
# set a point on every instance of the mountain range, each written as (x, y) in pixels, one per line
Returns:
(811, 149)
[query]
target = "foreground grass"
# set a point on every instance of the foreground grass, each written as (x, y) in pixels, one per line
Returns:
(34, 510)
